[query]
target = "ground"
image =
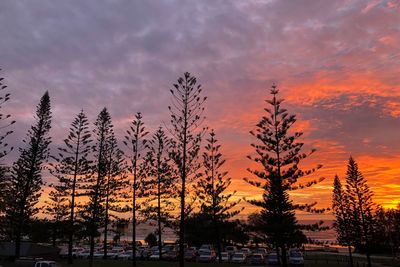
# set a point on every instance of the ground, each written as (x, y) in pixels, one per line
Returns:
(312, 260)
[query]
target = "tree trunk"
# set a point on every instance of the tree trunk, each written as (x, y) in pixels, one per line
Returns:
(159, 219)
(350, 256)
(284, 259)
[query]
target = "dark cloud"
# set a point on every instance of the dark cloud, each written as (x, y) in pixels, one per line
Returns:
(126, 54)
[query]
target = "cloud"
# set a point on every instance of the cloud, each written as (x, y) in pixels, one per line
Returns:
(336, 63)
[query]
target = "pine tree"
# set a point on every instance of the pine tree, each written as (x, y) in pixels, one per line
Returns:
(211, 189)
(342, 224)
(186, 116)
(72, 167)
(135, 141)
(160, 183)
(103, 132)
(5, 124)
(56, 207)
(279, 153)
(116, 182)
(25, 183)
(361, 205)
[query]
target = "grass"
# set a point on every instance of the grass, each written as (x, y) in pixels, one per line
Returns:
(119, 263)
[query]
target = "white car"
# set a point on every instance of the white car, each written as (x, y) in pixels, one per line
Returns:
(207, 256)
(296, 258)
(155, 255)
(84, 254)
(225, 257)
(45, 264)
(98, 254)
(114, 253)
(205, 247)
(273, 259)
(127, 255)
(239, 257)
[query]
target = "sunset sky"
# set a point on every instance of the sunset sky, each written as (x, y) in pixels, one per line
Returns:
(336, 63)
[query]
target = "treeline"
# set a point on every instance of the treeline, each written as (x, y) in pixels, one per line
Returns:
(359, 222)
(173, 176)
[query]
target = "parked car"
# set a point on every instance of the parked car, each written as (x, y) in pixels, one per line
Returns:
(296, 258)
(231, 250)
(98, 254)
(113, 254)
(126, 255)
(171, 255)
(190, 255)
(246, 251)
(155, 256)
(257, 259)
(262, 251)
(272, 259)
(207, 256)
(84, 254)
(225, 257)
(239, 257)
(205, 247)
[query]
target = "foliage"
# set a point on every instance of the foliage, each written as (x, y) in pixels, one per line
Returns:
(160, 183)
(135, 141)
(71, 169)
(279, 153)
(24, 185)
(211, 187)
(186, 116)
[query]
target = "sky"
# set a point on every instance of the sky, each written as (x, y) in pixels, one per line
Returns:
(336, 63)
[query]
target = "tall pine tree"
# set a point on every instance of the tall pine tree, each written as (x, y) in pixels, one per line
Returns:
(160, 183)
(103, 132)
(5, 131)
(135, 141)
(72, 167)
(211, 189)
(186, 116)
(278, 151)
(361, 205)
(56, 208)
(116, 181)
(25, 183)
(342, 224)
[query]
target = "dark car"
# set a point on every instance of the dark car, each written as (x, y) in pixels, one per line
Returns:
(190, 255)
(257, 259)
(171, 255)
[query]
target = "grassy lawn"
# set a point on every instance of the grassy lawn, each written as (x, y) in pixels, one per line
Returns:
(119, 263)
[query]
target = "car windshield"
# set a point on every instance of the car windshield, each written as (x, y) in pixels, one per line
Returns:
(238, 255)
(205, 253)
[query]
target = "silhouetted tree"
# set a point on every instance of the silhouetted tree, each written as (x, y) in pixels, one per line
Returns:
(186, 116)
(116, 181)
(5, 130)
(57, 209)
(151, 240)
(361, 205)
(211, 189)
(135, 141)
(343, 223)
(160, 183)
(279, 153)
(72, 167)
(24, 185)
(103, 132)
(386, 235)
